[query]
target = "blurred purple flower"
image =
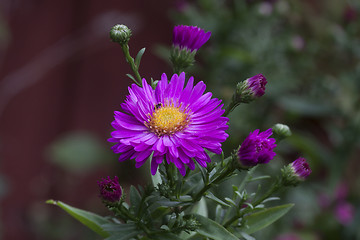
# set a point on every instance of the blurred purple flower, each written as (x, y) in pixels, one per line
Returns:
(344, 212)
(298, 42)
(350, 14)
(341, 191)
(301, 168)
(265, 8)
(189, 37)
(110, 189)
(257, 148)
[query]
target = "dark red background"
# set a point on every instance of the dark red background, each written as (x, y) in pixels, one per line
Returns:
(61, 73)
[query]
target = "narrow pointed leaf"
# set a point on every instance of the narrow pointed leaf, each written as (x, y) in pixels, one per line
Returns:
(131, 77)
(264, 218)
(212, 229)
(138, 57)
(211, 196)
(89, 219)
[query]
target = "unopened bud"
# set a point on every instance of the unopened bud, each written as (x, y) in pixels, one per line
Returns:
(281, 131)
(295, 172)
(120, 34)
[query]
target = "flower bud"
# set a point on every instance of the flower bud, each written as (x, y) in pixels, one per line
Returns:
(281, 131)
(120, 34)
(257, 148)
(186, 41)
(295, 172)
(110, 189)
(251, 88)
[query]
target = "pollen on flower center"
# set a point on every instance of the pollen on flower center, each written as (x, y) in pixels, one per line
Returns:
(167, 120)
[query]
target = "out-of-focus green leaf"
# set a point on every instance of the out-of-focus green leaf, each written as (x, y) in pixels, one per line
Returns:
(78, 152)
(89, 219)
(200, 208)
(264, 218)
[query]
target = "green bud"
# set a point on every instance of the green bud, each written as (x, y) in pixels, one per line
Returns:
(192, 224)
(120, 34)
(288, 176)
(181, 58)
(281, 131)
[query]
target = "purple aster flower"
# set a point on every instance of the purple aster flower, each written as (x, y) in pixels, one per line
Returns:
(190, 37)
(110, 189)
(257, 148)
(301, 168)
(256, 85)
(171, 122)
(344, 212)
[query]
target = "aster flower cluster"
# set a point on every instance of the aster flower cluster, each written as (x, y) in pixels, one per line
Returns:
(179, 128)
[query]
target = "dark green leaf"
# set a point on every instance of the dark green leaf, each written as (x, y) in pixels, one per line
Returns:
(135, 198)
(196, 237)
(165, 236)
(121, 231)
(264, 218)
(89, 219)
(212, 229)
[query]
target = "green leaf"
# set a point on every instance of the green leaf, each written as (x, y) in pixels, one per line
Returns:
(89, 219)
(200, 208)
(135, 198)
(131, 77)
(212, 229)
(165, 236)
(264, 218)
(138, 57)
(211, 196)
(155, 179)
(196, 237)
(121, 231)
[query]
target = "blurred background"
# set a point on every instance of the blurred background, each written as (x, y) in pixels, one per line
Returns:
(61, 78)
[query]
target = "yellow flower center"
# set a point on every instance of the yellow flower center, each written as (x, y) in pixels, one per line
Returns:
(167, 120)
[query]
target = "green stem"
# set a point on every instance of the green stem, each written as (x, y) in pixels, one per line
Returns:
(274, 188)
(207, 186)
(232, 105)
(133, 66)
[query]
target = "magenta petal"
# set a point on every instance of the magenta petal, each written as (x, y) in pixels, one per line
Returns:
(134, 135)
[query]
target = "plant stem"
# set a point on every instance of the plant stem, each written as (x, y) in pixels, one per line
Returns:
(274, 188)
(133, 66)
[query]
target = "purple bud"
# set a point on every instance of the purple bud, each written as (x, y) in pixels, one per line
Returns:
(110, 189)
(256, 85)
(257, 148)
(301, 168)
(189, 37)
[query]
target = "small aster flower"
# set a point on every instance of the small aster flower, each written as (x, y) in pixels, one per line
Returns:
(171, 122)
(110, 189)
(190, 37)
(301, 168)
(344, 212)
(257, 148)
